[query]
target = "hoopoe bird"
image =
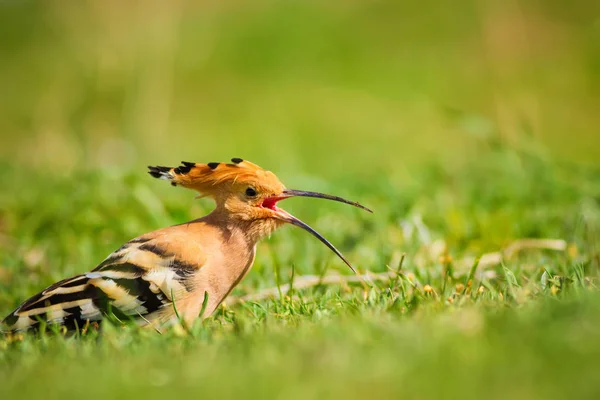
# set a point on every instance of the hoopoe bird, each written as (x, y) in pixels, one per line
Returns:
(173, 275)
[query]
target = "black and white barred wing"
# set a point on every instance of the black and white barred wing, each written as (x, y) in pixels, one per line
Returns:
(136, 282)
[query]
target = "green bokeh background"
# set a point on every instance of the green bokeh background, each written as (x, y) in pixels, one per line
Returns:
(297, 86)
(466, 125)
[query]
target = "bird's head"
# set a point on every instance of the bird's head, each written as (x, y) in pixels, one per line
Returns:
(247, 193)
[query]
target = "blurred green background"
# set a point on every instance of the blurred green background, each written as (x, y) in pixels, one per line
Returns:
(294, 85)
(466, 125)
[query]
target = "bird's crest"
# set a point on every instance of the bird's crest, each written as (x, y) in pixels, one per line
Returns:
(213, 178)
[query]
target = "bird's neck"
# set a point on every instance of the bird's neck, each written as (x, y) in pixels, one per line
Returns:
(251, 230)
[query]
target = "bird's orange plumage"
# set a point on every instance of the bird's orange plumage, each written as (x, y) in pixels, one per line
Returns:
(216, 179)
(169, 275)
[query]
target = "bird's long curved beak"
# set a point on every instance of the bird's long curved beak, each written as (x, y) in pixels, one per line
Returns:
(302, 193)
(289, 218)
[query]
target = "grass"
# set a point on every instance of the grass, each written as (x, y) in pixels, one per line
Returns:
(461, 144)
(445, 327)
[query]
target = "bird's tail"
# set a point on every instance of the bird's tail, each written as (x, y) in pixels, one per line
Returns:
(118, 292)
(72, 303)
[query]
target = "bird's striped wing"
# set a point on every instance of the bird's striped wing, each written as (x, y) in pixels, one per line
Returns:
(138, 281)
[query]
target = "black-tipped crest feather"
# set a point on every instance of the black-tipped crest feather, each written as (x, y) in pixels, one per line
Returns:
(159, 172)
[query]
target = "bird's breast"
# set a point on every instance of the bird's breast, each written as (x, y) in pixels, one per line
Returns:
(227, 262)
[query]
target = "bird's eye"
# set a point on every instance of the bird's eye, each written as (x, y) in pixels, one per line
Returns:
(250, 192)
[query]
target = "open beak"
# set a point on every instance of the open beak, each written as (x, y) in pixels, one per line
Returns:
(289, 218)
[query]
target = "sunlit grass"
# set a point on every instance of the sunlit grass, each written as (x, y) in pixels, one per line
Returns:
(466, 305)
